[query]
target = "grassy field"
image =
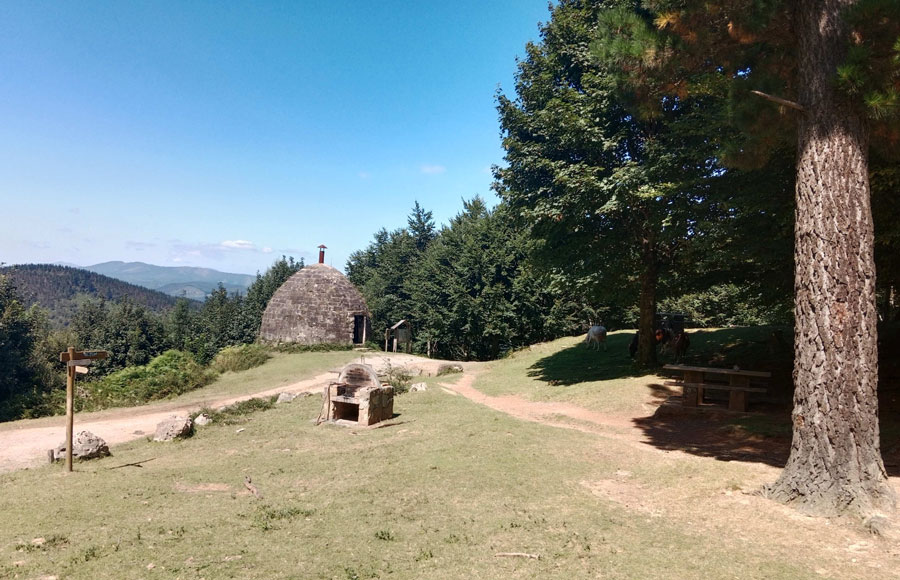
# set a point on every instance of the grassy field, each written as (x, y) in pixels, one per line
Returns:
(281, 370)
(606, 380)
(438, 494)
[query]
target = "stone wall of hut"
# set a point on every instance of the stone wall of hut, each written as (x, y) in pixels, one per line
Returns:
(317, 305)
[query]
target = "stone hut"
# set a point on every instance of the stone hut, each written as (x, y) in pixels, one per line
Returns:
(317, 305)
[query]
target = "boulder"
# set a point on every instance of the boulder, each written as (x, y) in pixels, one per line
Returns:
(418, 387)
(174, 427)
(449, 368)
(285, 397)
(202, 420)
(85, 445)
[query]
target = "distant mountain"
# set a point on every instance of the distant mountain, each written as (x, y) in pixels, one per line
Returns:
(59, 289)
(174, 281)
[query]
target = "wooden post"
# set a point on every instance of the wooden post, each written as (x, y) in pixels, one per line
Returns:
(70, 407)
(692, 396)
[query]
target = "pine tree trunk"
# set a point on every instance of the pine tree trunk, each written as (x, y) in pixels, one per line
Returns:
(835, 465)
(647, 302)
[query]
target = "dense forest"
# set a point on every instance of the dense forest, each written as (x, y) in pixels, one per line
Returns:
(61, 289)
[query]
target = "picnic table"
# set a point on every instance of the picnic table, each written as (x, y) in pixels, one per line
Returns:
(737, 382)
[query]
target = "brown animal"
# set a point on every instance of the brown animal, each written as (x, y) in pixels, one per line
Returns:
(681, 344)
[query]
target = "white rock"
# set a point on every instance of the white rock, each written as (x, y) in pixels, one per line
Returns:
(286, 397)
(174, 427)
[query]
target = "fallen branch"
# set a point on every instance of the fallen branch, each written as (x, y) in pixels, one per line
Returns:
(779, 100)
(517, 555)
(135, 464)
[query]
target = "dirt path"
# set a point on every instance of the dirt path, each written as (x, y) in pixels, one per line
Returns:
(832, 548)
(27, 445)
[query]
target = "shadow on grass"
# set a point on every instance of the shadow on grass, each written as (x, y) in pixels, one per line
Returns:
(761, 436)
(580, 364)
(757, 348)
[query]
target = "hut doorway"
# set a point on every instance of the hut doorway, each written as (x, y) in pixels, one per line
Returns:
(359, 329)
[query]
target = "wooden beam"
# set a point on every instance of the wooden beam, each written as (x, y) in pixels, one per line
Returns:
(779, 100)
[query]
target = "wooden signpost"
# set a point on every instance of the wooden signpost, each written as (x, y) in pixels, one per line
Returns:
(76, 361)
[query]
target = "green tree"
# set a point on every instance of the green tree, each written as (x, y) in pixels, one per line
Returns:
(819, 62)
(131, 334)
(473, 296)
(260, 292)
(613, 196)
(17, 342)
(382, 271)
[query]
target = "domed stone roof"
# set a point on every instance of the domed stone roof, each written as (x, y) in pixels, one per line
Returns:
(316, 305)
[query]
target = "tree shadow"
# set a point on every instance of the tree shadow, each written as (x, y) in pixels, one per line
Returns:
(580, 364)
(760, 436)
(712, 431)
(757, 348)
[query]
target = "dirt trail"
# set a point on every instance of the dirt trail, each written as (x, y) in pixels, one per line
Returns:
(25, 443)
(615, 426)
(832, 548)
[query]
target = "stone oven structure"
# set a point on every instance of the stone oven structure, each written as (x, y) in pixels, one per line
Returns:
(317, 305)
(357, 399)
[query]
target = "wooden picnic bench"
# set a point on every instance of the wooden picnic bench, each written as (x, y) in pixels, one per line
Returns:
(737, 382)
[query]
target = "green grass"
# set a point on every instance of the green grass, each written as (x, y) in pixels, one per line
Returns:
(436, 496)
(280, 371)
(608, 380)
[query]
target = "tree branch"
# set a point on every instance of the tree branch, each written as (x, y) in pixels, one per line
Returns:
(779, 100)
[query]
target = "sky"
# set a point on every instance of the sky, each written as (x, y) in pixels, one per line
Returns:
(226, 134)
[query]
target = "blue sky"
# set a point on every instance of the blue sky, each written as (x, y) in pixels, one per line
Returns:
(224, 134)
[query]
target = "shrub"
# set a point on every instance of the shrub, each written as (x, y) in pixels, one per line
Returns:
(240, 358)
(398, 377)
(171, 373)
(291, 347)
(237, 413)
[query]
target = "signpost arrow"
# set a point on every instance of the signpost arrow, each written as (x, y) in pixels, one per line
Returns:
(76, 361)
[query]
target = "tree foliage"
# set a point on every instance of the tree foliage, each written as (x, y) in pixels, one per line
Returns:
(469, 293)
(623, 189)
(17, 340)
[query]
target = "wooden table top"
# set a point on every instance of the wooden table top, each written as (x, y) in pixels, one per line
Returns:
(721, 371)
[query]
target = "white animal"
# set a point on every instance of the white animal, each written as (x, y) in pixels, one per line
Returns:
(596, 335)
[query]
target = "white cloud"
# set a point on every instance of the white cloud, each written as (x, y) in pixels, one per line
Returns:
(267, 250)
(365, 175)
(433, 169)
(238, 245)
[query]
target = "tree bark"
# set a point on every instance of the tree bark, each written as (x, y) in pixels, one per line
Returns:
(835, 466)
(647, 301)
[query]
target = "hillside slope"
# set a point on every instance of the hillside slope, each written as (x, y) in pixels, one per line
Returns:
(60, 288)
(173, 280)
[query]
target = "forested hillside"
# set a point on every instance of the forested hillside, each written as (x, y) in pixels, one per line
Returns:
(195, 283)
(60, 290)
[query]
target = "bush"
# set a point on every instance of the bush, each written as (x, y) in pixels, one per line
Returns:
(237, 413)
(398, 377)
(240, 358)
(171, 373)
(291, 347)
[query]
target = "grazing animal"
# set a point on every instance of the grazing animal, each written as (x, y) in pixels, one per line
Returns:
(633, 346)
(596, 335)
(682, 342)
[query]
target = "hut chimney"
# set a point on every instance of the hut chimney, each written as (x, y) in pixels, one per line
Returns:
(322, 254)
